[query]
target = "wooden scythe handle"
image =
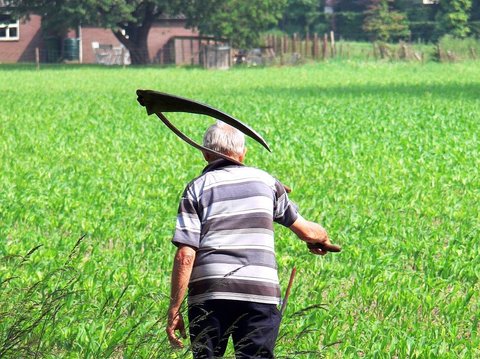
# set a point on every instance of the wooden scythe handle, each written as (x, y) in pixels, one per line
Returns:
(326, 247)
(287, 293)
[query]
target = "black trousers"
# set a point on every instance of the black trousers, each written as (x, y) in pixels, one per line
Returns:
(253, 327)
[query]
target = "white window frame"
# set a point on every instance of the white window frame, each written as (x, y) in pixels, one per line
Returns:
(7, 27)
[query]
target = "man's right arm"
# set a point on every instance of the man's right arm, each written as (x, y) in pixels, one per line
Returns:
(312, 233)
(182, 269)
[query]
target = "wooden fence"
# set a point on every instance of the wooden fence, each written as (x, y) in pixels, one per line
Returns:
(313, 47)
(295, 50)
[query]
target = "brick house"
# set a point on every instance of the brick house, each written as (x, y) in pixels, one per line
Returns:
(169, 41)
(19, 39)
(96, 41)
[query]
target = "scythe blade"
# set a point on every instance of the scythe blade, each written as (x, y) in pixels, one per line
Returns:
(159, 102)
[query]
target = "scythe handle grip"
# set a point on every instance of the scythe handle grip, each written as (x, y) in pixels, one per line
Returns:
(326, 247)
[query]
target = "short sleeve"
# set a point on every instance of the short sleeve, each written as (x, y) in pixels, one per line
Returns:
(285, 211)
(188, 226)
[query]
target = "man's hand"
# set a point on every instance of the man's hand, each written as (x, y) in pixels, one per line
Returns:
(182, 269)
(315, 235)
(323, 248)
(175, 322)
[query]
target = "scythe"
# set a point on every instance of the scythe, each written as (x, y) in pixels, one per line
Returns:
(159, 102)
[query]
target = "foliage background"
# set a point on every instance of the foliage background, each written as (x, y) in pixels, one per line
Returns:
(386, 156)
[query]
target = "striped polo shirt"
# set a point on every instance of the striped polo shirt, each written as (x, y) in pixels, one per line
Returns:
(227, 216)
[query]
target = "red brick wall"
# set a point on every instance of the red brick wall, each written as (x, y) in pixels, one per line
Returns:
(23, 50)
(95, 34)
(164, 31)
(159, 35)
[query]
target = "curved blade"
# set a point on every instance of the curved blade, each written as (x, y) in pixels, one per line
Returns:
(158, 102)
(191, 142)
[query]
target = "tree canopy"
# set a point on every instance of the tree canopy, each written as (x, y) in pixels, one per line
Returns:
(243, 21)
(453, 17)
(367, 19)
(129, 20)
(384, 23)
(240, 21)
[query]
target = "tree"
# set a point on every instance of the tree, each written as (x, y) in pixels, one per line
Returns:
(384, 23)
(475, 18)
(240, 21)
(129, 20)
(421, 18)
(302, 16)
(349, 15)
(453, 17)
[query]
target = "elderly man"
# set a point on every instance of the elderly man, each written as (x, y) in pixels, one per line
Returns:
(225, 253)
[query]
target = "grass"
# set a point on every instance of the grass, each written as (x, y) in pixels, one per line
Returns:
(386, 156)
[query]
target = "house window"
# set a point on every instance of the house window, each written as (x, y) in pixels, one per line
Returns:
(9, 29)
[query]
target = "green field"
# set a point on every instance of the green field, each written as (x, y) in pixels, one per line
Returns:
(386, 156)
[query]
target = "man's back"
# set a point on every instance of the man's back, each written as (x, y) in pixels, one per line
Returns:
(227, 214)
(225, 253)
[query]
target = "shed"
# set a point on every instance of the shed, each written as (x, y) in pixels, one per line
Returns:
(196, 50)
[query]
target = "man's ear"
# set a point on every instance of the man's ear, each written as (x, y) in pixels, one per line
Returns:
(241, 158)
(206, 156)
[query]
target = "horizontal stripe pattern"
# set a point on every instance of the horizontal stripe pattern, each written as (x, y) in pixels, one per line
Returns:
(257, 219)
(245, 205)
(248, 238)
(224, 285)
(245, 256)
(199, 298)
(234, 271)
(227, 214)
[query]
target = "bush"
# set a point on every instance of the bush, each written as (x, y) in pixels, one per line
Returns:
(451, 48)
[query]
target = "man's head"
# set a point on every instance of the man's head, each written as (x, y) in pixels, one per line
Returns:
(225, 139)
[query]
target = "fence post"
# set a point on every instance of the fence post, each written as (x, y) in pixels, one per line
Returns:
(315, 46)
(332, 43)
(192, 61)
(472, 52)
(37, 58)
(205, 55)
(324, 46)
(294, 43)
(282, 49)
(183, 51)
(308, 52)
(199, 50)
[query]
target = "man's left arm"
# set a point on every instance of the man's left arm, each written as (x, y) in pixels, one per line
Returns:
(182, 269)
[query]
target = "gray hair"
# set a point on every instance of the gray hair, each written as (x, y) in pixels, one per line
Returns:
(225, 139)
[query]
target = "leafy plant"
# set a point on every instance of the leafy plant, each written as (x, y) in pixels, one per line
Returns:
(383, 23)
(384, 155)
(453, 17)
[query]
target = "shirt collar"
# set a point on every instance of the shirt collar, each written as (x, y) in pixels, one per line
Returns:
(220, 163)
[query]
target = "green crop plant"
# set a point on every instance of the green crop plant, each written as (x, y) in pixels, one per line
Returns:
(386, 156)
